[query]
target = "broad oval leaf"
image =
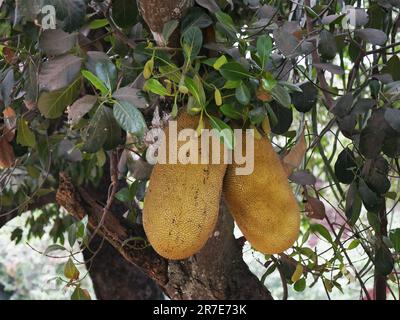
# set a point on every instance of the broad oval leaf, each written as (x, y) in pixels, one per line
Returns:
(58, 73)
(53, 104)
(373, 36)
(25, 136)
(327, 45)
(234, 71)
(155, 86)
(345, 166)
(133, 96)
(192, 41)
(96, 82)
(281, 95)
(101, 65)
(57, 42)
(392, 117)
(130, 118)
(80, 108)
(243, 94)
(102, 131)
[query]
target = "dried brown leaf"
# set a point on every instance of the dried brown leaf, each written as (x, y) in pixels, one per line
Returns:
(7, 157)
(10, 123)
(315, 208)
(295, 157)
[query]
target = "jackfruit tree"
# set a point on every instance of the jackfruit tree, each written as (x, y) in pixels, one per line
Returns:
(85, 85)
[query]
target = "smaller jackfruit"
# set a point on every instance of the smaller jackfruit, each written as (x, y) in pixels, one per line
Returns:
(263, 203)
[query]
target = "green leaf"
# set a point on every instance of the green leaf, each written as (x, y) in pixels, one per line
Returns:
(353, 204)
(130, 118)
(226, 20)
(169, 29)
(264, 49)
(230, 84)
(243, 94)
(220, 62)
(354, 244)
(234, 71)
(269, 82)
(70, 270)
(155, 86)
(281, 95)
(369, 198)
(124, 195)
(80, 295)
(395, 239)
(101, 65)
(327, 45)
(196, 90)
(96, 82)
(98, 24)
(383, 261)
(231, 112)
(53, 104)
(373, 220)
(311, 12)
(16, 235)
(192, 41)
(320, 229)
(196, 16)
(300, 285)
(25, 136)
(225, 132)
(102, 131)
(124, 12)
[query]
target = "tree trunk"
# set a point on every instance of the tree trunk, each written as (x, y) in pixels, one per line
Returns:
(218, 271)
(114, 278)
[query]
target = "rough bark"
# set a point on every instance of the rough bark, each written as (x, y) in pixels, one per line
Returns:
(114, 278)
(156, 13)
(218, 272)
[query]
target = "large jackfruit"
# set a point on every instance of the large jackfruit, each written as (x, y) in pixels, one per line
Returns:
(182, 203)
(263, 203)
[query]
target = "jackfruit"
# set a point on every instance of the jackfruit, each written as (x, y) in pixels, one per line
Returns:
(182, 202)
(263, 203)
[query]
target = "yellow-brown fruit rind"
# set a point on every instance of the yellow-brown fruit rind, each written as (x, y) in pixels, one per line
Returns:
(263, 203)
(182, 204)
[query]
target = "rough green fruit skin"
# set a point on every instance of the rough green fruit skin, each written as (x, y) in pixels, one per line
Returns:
(263, 203)
(182, 204)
